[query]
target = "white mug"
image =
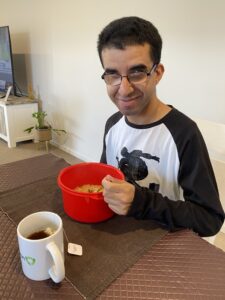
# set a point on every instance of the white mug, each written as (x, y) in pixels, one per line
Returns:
(42, 257)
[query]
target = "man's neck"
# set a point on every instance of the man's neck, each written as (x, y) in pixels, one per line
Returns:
(154, 112)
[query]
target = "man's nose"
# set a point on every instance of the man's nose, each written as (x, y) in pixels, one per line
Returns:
(125, 86)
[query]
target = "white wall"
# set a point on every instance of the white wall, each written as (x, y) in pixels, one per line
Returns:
(59, 38)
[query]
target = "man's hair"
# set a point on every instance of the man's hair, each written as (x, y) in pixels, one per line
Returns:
(129, 31)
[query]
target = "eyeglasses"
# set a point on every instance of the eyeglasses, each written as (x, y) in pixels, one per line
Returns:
(134, 77)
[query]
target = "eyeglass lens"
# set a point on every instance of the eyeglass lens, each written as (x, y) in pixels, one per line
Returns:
(134, 77)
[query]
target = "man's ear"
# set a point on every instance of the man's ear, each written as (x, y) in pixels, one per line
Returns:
(159, 71)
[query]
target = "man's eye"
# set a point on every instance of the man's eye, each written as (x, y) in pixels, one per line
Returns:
(137, 74)
(137, 70)
(112, 75)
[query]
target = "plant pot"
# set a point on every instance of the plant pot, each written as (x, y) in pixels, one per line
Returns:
(42, 135)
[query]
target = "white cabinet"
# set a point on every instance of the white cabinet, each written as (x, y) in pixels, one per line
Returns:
(15, 116)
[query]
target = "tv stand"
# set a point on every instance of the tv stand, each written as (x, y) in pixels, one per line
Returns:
(15, 116)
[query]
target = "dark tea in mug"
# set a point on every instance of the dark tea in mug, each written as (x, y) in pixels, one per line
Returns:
(42, 234)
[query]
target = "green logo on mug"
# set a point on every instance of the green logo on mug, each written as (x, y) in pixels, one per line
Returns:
(30, 260)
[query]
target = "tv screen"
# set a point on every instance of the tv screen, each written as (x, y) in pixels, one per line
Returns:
(6, 62)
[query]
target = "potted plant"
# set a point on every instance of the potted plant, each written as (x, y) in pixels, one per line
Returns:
(43, 130)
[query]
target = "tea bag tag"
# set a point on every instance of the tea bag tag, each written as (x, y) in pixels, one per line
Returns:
(75, 249)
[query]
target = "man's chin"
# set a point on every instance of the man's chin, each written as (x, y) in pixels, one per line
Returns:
(127, 113)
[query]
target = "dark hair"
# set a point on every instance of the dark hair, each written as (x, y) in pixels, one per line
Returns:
(129, 31)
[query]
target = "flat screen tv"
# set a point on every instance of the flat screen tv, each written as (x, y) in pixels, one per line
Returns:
(6, 62)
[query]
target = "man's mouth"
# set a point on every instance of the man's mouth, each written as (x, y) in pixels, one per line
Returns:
(134, 98)
(128, 103)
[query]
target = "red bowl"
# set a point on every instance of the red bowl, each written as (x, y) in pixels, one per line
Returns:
(86, 207)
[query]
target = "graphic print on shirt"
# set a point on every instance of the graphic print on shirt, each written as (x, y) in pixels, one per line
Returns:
(135, 168)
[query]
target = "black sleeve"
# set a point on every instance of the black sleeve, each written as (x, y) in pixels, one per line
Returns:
(103, 156)
(110, 122)
(175, 214)
(201, 209)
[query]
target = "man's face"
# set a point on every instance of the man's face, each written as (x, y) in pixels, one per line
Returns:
(133, 100)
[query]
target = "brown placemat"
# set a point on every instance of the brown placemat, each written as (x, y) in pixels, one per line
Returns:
(16, 174)
(109, 247)
(180, 266)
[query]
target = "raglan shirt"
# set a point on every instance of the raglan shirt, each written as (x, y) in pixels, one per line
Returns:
(169, 165)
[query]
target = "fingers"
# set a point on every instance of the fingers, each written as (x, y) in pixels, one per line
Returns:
(112, 184)
(117, 210)
(109, 178)
(117, 206)
(118, 194)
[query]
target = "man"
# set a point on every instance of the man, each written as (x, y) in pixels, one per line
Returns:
(169, 177)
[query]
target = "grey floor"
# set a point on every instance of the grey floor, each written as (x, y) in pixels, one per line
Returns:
(29, 149)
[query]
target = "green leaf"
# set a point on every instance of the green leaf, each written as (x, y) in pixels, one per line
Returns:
(29, 129)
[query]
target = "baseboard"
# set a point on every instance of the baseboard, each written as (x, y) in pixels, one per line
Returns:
(72, 152)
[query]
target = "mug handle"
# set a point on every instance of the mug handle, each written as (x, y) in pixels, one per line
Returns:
(57, 271)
